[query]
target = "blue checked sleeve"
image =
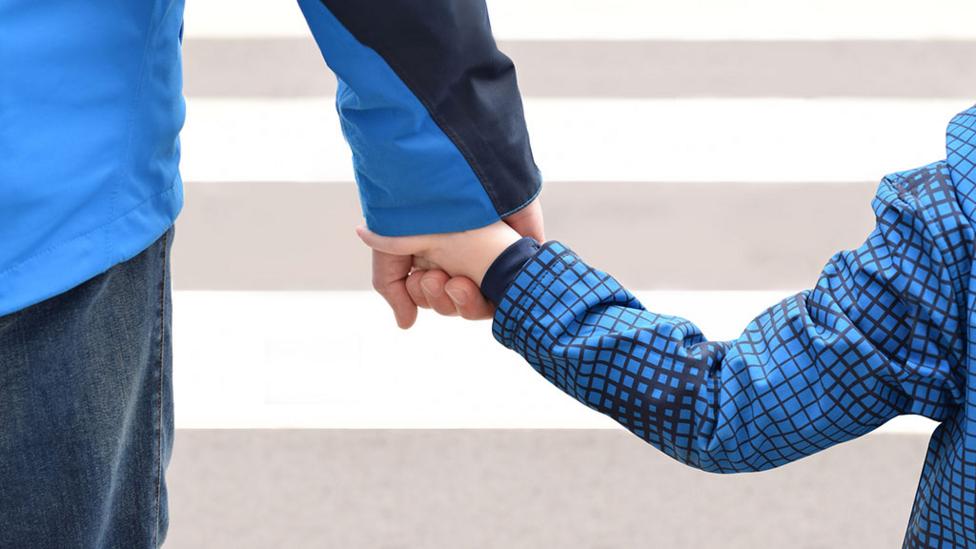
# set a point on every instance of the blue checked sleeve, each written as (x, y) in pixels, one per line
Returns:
(880, 335)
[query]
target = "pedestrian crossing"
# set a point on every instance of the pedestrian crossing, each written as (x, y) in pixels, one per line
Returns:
(746, 137)
(758, 128)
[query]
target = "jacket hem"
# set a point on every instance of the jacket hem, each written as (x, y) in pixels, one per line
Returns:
(68, 264)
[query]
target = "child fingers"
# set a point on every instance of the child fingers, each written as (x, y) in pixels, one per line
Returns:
(432, 284)
(467, 299)
(414, 289)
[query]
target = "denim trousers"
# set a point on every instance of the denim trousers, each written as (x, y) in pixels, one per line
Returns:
(86, 414)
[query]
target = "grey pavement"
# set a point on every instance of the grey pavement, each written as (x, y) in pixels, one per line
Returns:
(293, 67)
(512, 489)
(727, 236)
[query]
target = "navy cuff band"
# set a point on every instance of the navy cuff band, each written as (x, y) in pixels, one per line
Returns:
(506, 266)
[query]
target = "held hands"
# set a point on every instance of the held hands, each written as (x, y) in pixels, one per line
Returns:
(444, 271)
(464, 255)
(467, 253)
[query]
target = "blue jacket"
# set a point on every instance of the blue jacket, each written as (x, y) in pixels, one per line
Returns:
(889, 329)
(91, 108)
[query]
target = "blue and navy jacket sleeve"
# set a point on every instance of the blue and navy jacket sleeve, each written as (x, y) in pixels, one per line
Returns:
(881, 334)
(431, 110)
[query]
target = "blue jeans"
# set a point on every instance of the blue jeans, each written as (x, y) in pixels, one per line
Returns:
(86, 415)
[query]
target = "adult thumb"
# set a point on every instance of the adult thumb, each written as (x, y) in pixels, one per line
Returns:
(528, 221)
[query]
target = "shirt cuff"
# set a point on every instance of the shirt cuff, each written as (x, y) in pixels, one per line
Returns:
(506, 266)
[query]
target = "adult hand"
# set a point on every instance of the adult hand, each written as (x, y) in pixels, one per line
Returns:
(406, 284)
(459, 295)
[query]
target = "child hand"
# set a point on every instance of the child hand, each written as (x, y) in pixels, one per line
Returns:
(466, 253)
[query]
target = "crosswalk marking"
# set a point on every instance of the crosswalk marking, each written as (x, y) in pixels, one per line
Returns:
(332, 358)
(700, 140)
(336, 360)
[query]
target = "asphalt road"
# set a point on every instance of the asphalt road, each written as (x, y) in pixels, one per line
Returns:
(511, 489)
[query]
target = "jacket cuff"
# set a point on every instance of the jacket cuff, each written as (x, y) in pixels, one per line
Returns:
(506, 267)
(549, 287)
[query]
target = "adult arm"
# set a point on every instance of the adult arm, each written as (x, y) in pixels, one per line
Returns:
(432, 112)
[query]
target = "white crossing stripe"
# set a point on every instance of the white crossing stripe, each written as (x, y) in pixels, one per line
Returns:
(336, 360)
(681, 140)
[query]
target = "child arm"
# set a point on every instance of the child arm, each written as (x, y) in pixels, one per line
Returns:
(880, 335)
